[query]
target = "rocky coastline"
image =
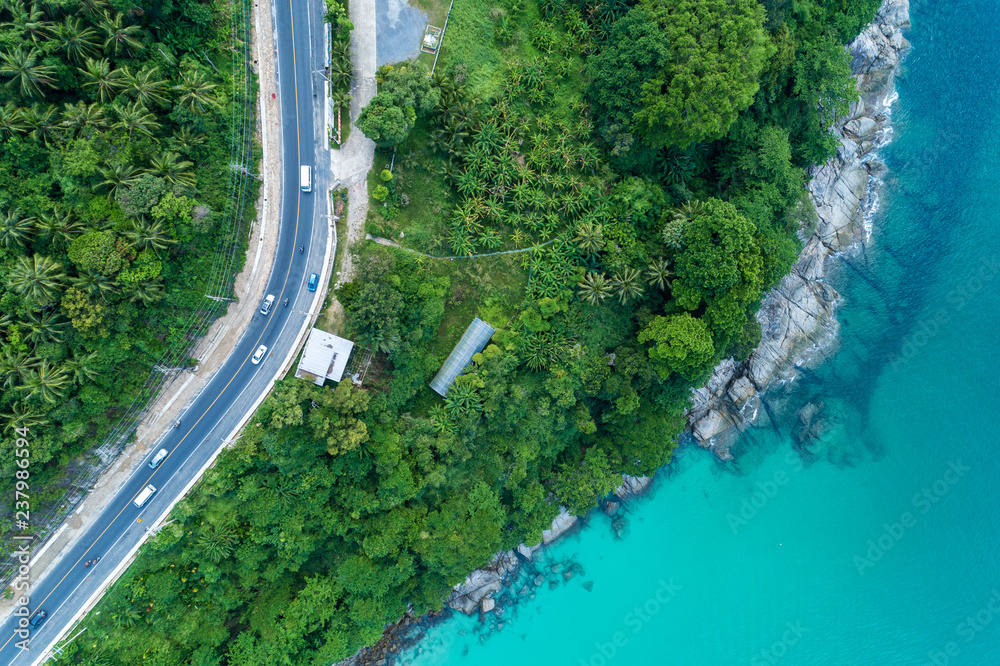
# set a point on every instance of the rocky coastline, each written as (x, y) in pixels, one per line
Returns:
(799, 328)
(798, 322)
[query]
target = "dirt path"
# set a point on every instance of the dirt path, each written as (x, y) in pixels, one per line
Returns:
(220, 340)
(352, 162)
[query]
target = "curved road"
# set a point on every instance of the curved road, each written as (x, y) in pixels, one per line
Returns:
(66, 587)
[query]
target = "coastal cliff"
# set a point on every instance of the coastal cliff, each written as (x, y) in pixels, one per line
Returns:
(797, 318)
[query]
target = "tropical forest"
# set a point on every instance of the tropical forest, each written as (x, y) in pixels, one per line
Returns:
(119, 214)
(612, 186)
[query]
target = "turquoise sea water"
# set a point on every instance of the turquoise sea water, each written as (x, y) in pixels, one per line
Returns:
(884, 548)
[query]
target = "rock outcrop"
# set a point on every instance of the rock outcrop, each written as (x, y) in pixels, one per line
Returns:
(797, 318)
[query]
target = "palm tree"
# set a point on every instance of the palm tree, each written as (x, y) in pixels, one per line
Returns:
(98, 74)
(61, 223)
(47, 382)
(44, 327)
(120, 37)
(14, 366)
(22, 416)
(216, 543)
(29, 20)
(149, 235)
(117, 176)
(84, 119)
(657, 273)
(171, 168)
(136, 118)
(11, 120)
(37, 278)
(690, 210)
(144, 292)
(185, 139)
(93, 7)
(26, 71)
(590, 237)
(144, 87)
(76, 39)
(43, 121)
(15, 231)
(594, 288)
(626, 285)
(197, 92)
(83, 367)
(94, 284)
(341, 72)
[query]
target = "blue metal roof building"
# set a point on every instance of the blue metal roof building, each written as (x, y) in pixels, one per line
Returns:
(473, 340)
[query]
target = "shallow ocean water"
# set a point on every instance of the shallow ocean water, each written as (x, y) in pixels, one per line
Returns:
(883, 547)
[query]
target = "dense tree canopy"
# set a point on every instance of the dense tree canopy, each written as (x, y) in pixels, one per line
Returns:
(648, 161)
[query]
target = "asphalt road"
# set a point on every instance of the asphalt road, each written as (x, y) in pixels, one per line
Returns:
(68, 584)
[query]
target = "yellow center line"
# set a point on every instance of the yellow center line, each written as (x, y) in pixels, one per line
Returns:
(288, 270)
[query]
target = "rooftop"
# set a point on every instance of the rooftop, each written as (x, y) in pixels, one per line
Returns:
(324, 357)
(473, 340)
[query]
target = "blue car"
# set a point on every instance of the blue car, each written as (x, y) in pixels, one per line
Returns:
(313, 281)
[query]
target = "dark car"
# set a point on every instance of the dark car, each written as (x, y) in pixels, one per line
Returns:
(38, 618)
(313, 281)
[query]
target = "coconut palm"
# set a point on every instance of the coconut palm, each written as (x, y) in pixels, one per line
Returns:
(28, 19)
(78, 40)
(22, 416)
(11, 120)
(26, 72)
(136, 118)
(94, 284)
(144, 86)
(47, 382)
(117, 176)
(121, 38)
(144, 292)
(37, 278)
(15, 231)
(627, 285)
(185, 139)
(657, 273)
(99, 75)
(594, 288)
(45, 326)
(94, 7)
(197, 92)
(83, 119)
(171, 168)
(341, 72)
(149, 235)
(14, 366)
(82, 367)
(43, 122)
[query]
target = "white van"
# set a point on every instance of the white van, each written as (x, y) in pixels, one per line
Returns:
(305, 178)
(144, 496)
(268, 302)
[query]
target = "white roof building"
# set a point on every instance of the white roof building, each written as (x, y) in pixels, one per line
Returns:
(324, 357)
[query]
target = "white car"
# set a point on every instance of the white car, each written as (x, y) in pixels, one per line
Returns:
(268, 302)
(259, 354)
